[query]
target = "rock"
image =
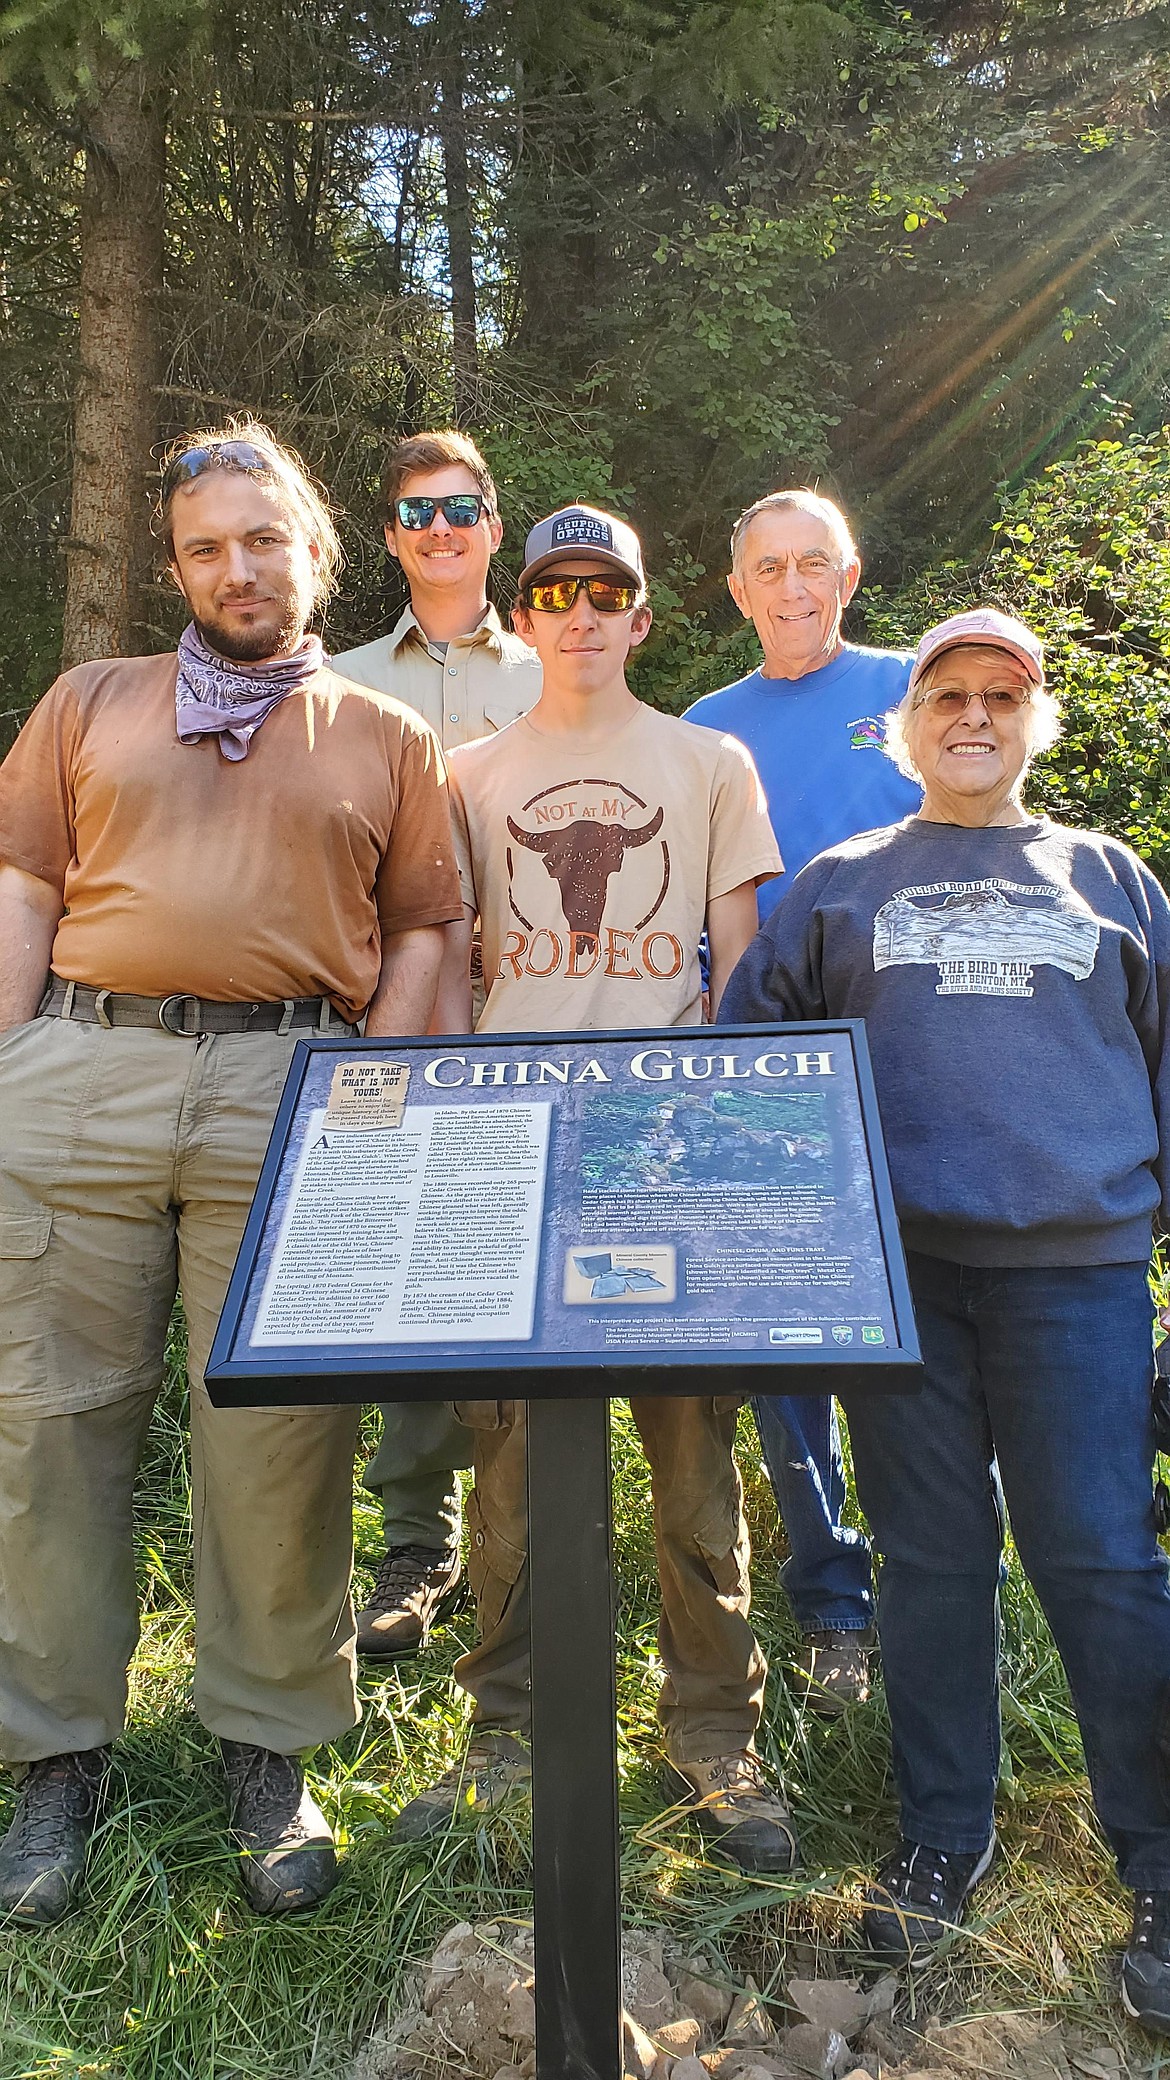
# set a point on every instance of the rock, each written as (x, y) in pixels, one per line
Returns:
(1020, 2047)
(886, 2041)
(519, 2021)
(821, 2052)
(454, 1950)
(688, 2068)
(680, 2038)
(646, 1991)
(882, 1995)
(639, 2052)
(831, 2003)
(732, 2062)
(1101, 2063)
(724, 2060)
(698, 1991)
(749, 2021)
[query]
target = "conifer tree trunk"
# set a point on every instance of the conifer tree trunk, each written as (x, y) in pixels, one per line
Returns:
(457, 186)
(115, 410)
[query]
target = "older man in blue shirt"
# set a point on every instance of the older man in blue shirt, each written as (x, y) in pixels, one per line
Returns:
(813, 717)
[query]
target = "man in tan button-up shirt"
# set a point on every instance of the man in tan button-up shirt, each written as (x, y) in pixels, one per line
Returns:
(448, 657)
(451, 660)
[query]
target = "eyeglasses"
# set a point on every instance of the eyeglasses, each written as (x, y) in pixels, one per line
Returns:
(954, 700)
(559, 595)
(461, 509)
(184, 468)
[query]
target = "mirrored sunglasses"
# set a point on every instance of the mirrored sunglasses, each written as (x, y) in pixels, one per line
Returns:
(460, 509)
(558, 595)
(184, 468)
(955, 700)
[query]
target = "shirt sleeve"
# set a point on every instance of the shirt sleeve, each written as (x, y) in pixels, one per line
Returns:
(743, 845)
(1149, 1011)
(36, 789)
(417, 882)
(462, 837)
(779, 976)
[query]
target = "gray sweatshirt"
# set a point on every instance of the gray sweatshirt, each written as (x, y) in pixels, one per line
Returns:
(1014, 984)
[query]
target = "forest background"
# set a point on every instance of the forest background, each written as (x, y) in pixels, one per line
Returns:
(664, 255)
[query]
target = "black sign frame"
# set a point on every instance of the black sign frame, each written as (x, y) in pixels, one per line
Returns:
(351, 1372)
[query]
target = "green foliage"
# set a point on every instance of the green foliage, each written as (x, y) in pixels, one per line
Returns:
(66, 47)
(718, 245)
(1081, 554)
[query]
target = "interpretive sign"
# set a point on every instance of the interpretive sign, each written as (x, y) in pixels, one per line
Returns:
(658, 1207)
(587, 1214)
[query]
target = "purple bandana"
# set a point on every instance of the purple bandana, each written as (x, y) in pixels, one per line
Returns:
(215, 696)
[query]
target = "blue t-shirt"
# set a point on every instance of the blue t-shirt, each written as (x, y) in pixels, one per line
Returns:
(817, 743)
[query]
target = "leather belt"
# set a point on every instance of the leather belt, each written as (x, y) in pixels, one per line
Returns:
(187, 1016)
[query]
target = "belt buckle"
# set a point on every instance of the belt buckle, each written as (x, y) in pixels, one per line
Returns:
(181, 1032)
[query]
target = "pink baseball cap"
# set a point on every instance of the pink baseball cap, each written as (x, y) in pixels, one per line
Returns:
(981, 625)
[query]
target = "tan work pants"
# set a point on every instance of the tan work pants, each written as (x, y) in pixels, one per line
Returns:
(128, 1160)
(711, 1700)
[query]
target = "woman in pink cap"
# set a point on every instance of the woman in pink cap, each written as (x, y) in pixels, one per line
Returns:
(1014, 977)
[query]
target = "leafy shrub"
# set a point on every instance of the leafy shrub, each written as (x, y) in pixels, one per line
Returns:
(1082, 555)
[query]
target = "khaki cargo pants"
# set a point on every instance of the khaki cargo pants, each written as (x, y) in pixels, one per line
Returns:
(128, 1160)
(711, 1699)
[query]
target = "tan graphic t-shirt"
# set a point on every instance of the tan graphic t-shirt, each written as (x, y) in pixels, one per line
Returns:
(592, 870)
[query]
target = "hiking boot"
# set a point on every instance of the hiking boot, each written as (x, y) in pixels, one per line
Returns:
(1145, 1968)
(494, 1771)
(738, 1810)
(42, 1857)
(833, 1668)
(415, 1587)
(919, 1898)
(287, 1857)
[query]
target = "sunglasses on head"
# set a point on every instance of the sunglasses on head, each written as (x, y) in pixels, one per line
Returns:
(184, 468)
(559, 595)
(459, 509)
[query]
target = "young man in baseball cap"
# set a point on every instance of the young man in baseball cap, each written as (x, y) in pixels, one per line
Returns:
(596, 839)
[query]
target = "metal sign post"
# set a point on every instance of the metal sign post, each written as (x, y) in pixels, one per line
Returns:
(575, 1883)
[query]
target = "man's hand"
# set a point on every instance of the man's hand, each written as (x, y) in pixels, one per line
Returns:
(405, 996)
(30, 911)
(732, 924)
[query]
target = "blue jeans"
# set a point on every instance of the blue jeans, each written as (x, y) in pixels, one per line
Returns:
(1037, 1391)
(828, 1577)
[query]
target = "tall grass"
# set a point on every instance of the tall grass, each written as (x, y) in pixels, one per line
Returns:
(164, 1974)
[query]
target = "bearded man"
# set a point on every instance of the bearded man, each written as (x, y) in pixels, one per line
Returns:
(202, 855)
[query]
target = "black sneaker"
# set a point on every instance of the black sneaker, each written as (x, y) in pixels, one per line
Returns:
(919, 1898)
(1145, 1968)
(287, 1857)
(42, 1857)
(415, 1587)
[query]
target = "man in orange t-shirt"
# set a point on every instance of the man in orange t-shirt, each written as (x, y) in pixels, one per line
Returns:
(201, 854)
